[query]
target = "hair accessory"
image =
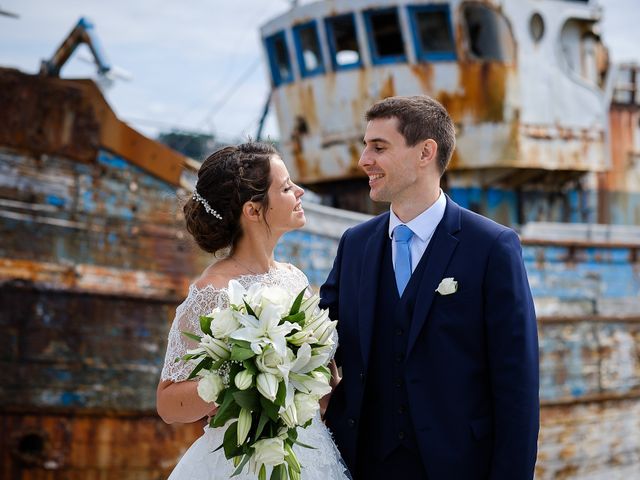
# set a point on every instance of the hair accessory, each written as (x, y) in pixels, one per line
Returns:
(205, 204)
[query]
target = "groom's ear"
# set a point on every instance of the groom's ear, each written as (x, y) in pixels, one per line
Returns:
(429, 152)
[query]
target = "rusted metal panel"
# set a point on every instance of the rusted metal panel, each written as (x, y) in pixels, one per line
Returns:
(71, 118)
(82, 446)
(599, 440)
(109, 214)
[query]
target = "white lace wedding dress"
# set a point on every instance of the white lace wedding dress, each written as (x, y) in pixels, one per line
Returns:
(200, 462)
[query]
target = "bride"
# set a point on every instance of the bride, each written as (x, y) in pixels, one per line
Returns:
(243, 202)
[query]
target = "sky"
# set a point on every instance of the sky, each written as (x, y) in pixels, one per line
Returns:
(194, 65)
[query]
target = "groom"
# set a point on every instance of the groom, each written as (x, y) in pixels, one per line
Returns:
(438, 339)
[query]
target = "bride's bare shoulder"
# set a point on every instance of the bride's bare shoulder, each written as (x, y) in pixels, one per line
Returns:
(216, 275)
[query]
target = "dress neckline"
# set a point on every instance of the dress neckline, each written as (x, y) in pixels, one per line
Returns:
(241, 278)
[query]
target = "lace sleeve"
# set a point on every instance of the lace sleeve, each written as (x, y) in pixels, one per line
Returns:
(198, 302)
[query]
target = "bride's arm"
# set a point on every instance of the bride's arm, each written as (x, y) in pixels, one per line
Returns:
(177, 399)
(179, 402)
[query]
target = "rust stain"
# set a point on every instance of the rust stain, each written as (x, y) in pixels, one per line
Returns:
(387, 89)
(307, 106)
(71, 118)
(59, 446)
(424, 74)
(354, 156)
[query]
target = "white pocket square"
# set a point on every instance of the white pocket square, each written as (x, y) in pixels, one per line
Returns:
(447, 286)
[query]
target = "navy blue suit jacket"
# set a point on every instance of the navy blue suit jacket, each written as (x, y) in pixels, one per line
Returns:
(472, 356)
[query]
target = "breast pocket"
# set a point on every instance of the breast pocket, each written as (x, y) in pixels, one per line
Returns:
(453, 298)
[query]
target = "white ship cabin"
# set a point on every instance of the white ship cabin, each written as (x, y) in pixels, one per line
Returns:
(522, 79)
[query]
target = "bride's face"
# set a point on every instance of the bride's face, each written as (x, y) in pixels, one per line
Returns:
(285, 211)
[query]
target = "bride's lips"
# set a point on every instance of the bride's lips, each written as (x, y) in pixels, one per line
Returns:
(299, 209)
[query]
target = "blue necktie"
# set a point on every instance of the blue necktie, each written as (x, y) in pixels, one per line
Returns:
(402, 235)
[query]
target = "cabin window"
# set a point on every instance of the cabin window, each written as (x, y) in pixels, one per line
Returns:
(583, 51)
(308, 49)
(488, 34)
(343, 41)
(432, 33)
(385, 35)
(279, 60)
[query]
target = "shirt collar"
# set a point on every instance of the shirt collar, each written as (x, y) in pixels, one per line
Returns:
(424, 224)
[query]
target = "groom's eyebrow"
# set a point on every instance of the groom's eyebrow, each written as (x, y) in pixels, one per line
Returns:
(374, 140)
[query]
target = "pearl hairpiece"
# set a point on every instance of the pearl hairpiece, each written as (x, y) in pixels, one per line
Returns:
(205, 204)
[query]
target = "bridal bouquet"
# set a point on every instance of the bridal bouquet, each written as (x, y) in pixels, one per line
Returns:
(263, 360)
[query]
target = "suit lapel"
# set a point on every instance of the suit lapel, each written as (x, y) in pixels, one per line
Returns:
(369, 285)
(443, 245)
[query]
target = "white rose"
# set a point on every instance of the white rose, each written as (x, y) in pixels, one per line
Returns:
(277, 296)
(306, 407)
(224, 323)
(269, 361)
(269, 451)
(209, 386)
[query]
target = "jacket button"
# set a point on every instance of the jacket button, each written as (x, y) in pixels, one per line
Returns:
(351, 422)
(401, 435)
(362, 377)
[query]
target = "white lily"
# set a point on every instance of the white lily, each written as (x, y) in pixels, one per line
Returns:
(289, 415)
(215, 348)
(265, 330)
(243, 379)
(267, 385)
(244, 425)
(314, 383)
(236, 293)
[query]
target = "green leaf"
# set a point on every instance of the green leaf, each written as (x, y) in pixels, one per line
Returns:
(251, 367)
(264, 418)
(242, 464)
(240, 353)
(240, 343)
(281, 395)
(292, 434)
(304, 445)
(229, 409)
(192, 336)
(249, 309)
(269, 408)
(230, 441)
(262, 474)
(277, 472)
(295, 318)
(247, 399)
(221, 445)
(295, 308)
(205, 363)
(205, 324)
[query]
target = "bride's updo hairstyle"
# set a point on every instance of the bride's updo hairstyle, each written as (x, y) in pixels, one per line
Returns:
(228, 179)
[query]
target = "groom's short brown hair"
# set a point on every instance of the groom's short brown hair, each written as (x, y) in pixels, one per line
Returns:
(420, 117)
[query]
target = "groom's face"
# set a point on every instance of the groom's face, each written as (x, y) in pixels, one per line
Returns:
(390, 164)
